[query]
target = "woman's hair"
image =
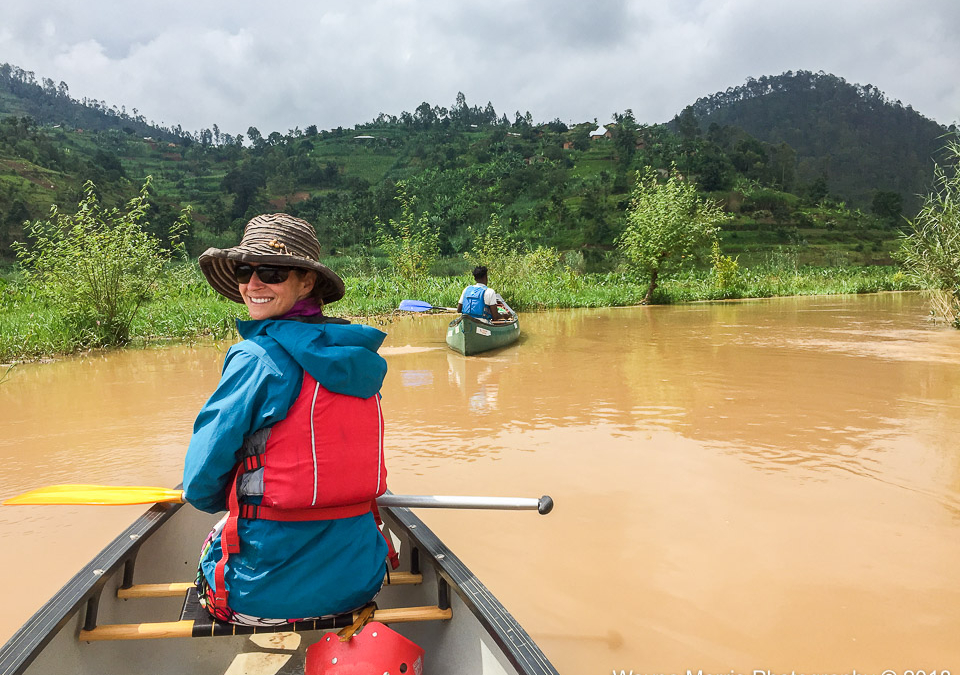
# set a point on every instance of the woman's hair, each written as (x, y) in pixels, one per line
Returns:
(316, 293)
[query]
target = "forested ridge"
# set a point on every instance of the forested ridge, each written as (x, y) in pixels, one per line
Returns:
(852, 134)
(800, 160)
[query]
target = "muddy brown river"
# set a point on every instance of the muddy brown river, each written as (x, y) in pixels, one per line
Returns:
(754, 485)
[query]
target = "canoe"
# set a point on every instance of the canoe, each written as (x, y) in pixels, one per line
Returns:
(131, 610)
(470, 335)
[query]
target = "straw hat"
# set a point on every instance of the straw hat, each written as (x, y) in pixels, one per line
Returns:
(274, 238)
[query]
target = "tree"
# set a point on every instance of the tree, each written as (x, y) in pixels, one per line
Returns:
(687, 124)
(783, 160)
(412, 244)
(931, 250)
(887, 205)
(818, 190)
(667, 224)
(255, 137)
(243, 183)
(460, 113)
(424, 117)
(625, 136)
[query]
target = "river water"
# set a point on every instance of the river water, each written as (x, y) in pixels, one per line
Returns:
(769, 484)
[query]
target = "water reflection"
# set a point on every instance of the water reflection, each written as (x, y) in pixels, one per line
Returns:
(477, 379)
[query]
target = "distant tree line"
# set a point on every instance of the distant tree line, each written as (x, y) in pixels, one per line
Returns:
(563, 186)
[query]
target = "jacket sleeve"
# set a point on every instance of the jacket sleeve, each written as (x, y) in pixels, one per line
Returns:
(253, 393)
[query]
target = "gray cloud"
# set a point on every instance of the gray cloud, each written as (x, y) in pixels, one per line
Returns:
(299, 63)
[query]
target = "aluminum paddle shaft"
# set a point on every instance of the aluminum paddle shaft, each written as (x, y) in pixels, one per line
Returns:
(543, 505)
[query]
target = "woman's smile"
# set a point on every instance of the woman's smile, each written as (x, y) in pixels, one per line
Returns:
(283, 296)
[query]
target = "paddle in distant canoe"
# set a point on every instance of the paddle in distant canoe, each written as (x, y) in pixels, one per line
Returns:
(470, 335)
(421, 306)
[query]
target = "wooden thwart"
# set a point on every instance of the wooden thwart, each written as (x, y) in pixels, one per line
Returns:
(185, 627)
(155, 590)
(179, 588)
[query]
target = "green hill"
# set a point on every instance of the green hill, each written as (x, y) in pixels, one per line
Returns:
(829, 193)
(853, 136)
(51, 104)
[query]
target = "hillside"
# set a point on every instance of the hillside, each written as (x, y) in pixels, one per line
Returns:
(851, 135)
(550, 184)
(51, 104)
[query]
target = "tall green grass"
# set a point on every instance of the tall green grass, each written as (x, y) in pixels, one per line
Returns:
(184, 307)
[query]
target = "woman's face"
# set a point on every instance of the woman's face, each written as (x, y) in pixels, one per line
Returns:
(265, 301)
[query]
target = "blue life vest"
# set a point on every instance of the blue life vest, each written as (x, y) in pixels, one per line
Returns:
(473, 301)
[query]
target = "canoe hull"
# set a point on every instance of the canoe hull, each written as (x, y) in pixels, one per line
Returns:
(469, 335)
(162, 546)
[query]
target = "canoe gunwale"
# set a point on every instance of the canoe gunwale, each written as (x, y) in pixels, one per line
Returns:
(486, 323)
(85, 586)
(515, 643)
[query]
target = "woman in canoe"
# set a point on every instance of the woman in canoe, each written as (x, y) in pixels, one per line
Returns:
(290, 443)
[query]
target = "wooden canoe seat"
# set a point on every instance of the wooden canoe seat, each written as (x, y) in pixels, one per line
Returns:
(195, 621)
(179, 588)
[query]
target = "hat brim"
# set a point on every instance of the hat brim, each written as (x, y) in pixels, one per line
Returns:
(217, 266)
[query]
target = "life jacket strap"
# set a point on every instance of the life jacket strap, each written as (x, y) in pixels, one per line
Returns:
(392, 554)
(326, 513)
(229, 543)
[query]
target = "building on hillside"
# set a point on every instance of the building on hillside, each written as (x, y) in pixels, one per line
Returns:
(601, 132)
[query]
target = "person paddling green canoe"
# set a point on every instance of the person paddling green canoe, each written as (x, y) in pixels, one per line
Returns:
(481, 301)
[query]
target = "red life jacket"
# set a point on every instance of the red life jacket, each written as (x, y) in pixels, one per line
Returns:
(323, 461)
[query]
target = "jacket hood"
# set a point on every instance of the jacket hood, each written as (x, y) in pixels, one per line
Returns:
(342, 358)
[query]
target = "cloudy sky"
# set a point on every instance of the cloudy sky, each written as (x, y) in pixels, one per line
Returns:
(292, 63)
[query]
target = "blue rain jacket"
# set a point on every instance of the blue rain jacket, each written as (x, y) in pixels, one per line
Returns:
(286, 570)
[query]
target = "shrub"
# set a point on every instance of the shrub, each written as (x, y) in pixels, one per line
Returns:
(493, 247)
(97, 266)
(931, 250)
(411, 243)
(726, 270)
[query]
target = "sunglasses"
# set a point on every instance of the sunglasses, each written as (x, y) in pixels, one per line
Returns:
(268, 274)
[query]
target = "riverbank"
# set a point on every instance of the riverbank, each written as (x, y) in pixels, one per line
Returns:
(185, 308)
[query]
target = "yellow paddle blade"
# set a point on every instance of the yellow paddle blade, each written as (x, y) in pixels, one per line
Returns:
(113, 495)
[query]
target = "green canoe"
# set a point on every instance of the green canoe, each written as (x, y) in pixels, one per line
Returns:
(470, 335)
